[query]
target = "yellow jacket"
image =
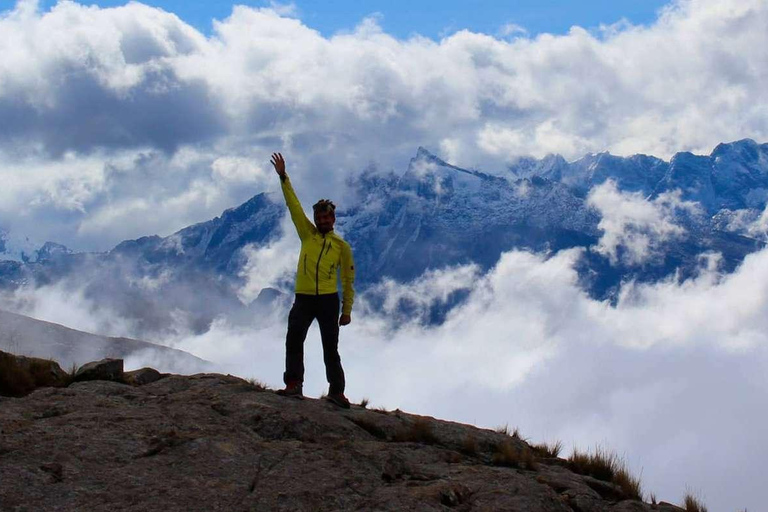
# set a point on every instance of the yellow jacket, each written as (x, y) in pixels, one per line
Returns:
(322, 255)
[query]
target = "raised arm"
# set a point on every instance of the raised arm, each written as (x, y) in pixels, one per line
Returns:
(304, 226)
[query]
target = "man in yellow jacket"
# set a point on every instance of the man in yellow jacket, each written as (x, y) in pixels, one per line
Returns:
(323, 254)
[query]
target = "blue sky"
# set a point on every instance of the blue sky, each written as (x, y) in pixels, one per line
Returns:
(431, 18)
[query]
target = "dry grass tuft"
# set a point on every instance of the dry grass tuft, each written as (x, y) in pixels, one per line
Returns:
(364, 403)
(71, 373)
(606, 466)
(693, 504)
(420, 431)
(504, 429)
(507, 454)
(381, 410)
(369, 426)
(259, 385)
(547, 450)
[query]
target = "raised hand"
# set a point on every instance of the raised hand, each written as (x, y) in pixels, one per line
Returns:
(278, 162)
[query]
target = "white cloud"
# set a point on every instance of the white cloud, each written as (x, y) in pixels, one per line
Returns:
(271, 265)
(509, 29)
(657, 377)
(635, 225)
(239, 170)
(90, 83)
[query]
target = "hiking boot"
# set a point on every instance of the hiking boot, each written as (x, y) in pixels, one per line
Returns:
(338, 399)
(293, 389)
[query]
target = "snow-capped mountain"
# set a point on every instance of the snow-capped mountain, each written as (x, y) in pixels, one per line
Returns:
(433, 215)
(437, 214)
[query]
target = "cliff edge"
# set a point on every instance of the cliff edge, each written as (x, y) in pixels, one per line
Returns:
(218, 442)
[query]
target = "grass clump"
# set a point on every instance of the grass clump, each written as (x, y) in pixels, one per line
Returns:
(693, 504)
(550, 451)
(420, 431)
(364, 403)
(606, 466)
(370, 427)
(507, 454)
(504, 429)
(256, 383)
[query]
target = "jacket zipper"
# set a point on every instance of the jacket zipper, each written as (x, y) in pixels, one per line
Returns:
(317, 269)
(305, 263)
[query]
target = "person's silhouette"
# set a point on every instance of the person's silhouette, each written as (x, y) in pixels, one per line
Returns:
(323, 254)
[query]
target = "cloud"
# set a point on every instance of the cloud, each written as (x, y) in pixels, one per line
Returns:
(80, 85)
(671, 376)
(634, 228)
(270, 266)
(658, 377)
(125, 121)
(509, 29)
(748, 222)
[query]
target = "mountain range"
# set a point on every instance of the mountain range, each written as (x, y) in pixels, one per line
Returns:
(431, 216)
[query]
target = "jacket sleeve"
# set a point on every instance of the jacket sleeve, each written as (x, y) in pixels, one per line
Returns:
(304, 226)
(347, 278)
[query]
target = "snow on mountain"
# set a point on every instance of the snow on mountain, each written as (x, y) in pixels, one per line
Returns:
(437, 214)
(432, 216)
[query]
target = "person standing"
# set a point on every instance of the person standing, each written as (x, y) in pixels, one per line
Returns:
(323, 254)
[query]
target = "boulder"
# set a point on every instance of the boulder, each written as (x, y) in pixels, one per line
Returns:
(20, 375)
(143, 376)
(106, 369)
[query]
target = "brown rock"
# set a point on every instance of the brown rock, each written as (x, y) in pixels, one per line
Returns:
(106, 369)
(215, 442)
(142, 376)
(20, 375)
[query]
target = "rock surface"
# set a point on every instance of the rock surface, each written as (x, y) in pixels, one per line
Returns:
(20, 375)
(106, 369)
(142, 376)
(215, 442)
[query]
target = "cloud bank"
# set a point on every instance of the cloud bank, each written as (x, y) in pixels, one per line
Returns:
(672, 376)
(122, 120)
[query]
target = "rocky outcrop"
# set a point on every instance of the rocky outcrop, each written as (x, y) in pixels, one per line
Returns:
(106, 369)
(216, 442)
(20, 375)
(142, 376)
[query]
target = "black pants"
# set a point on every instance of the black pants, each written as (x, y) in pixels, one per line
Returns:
(306, 308)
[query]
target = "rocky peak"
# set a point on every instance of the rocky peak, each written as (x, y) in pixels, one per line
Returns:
(218, 442)
(744, 149)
